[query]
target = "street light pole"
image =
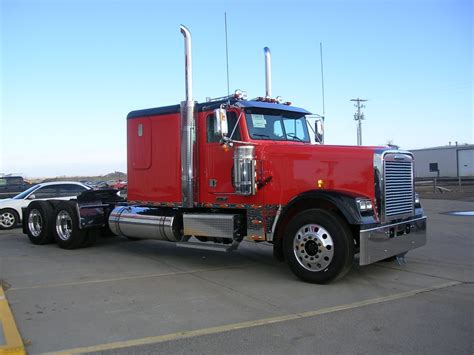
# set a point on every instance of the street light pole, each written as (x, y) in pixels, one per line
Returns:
(359, 116)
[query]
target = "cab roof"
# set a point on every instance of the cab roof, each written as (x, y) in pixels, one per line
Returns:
(211, 105)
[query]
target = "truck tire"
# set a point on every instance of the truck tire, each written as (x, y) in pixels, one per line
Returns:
(318, 246)
(8, 218)
(66, 230)
(38, 222)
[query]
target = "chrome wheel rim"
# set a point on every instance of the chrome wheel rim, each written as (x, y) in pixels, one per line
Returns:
(313, 247)
(64, 225)
(7, 219)
(35, 223)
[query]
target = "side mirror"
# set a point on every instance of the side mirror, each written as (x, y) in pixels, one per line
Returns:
(220, 122)
(31, 197)
(319, 131)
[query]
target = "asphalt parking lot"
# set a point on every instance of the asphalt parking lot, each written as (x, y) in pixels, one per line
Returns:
(152, 297)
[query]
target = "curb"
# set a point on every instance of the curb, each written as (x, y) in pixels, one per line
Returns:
(13, 342)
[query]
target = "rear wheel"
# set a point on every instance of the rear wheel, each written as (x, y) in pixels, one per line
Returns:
(38, 222)
(318, 246)
(66, 230)
(8, 218)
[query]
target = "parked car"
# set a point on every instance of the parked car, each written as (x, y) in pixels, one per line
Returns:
(10, 208)
(12, 185)
(120, 185)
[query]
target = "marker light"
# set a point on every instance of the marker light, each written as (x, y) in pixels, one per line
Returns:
(417, 200)
(240, 94)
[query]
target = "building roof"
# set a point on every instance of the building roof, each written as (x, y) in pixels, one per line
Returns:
(459, 146)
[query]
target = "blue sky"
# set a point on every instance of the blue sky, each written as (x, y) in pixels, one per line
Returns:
(72, 70)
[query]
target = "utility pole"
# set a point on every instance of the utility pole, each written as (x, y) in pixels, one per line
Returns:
(359, 116)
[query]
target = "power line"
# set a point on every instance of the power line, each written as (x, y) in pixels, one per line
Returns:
(359, 116)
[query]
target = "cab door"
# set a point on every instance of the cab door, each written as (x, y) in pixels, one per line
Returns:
(216, 162)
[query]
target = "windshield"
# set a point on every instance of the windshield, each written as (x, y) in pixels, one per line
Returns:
(25, 193)
(277, 125)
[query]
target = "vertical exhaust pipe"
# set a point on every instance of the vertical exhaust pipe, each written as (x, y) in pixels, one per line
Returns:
(268, 72)
(187, 128)
(187, 63)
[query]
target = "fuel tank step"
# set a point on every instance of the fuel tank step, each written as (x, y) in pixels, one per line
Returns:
(204, 246)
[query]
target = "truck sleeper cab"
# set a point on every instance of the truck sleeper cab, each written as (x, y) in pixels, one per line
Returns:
(266, 171)
(213, 174)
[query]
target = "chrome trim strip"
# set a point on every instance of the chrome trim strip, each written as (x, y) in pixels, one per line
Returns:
(269, 235)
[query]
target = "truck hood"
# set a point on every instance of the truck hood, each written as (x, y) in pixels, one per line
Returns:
(298, 168)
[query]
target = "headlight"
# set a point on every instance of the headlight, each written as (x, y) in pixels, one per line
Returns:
(364, 204)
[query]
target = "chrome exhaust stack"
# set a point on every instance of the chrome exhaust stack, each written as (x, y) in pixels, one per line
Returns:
(268, 72)
(187, 128)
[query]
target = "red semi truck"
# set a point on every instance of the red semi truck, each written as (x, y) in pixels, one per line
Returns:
(210, 175)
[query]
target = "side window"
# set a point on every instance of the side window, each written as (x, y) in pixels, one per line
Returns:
(3, 182)
(15, 181)
(46, 192)
(211, 138)
(70, 190)
(231, 122)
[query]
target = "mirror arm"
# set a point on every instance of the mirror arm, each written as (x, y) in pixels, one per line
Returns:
(236, 125)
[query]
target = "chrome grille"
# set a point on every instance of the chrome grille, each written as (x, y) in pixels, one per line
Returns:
(398, 182)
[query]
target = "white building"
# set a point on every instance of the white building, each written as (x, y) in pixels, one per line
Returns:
(447, 161)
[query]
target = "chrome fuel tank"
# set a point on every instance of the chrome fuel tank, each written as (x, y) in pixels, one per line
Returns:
(146, 223)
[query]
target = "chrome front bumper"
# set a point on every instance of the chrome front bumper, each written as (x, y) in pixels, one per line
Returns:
(393, 239)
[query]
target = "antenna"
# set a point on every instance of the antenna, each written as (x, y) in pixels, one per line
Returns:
(226, 53)
(322, 76)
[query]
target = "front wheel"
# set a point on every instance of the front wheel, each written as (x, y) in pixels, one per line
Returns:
(318, 246)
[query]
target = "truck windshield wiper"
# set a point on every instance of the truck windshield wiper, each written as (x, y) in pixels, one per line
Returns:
(261, 135)
(294, 137)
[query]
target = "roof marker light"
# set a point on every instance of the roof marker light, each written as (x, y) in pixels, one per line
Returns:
(240, 94)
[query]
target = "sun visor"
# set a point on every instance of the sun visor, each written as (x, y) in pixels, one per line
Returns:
(270, 106)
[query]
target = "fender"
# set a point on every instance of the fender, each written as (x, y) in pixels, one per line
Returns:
(345, 204)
